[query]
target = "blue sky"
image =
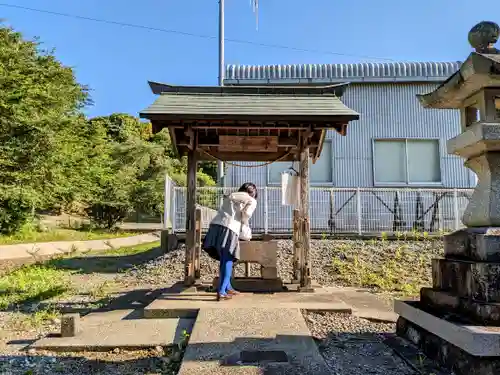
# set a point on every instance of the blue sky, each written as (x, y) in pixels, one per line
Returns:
(116, 61)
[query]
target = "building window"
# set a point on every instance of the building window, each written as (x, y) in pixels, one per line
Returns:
(319, 173)
(497, 107)
(406, 162)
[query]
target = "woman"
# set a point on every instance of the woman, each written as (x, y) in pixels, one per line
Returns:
(222, 239)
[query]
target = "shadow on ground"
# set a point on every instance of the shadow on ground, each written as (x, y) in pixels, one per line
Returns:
(135, 300)
(242, 351)
(105, 264)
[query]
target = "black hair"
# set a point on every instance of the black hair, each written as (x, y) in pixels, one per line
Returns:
(250, 189)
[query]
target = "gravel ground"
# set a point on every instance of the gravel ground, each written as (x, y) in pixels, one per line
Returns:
(352, 346)
(170, 267)
(147, 362)
(15, 359)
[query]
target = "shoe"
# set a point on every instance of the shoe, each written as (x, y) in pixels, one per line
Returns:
(233, 293)
(223, 297)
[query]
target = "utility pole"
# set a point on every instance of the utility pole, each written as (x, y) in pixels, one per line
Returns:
(222, 68)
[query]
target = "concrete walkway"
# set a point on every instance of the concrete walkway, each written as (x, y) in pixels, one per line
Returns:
(48, 249)
(270, 341)
(105, 331)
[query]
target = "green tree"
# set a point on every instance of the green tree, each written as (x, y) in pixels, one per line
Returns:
(40, 123)
(128, 168)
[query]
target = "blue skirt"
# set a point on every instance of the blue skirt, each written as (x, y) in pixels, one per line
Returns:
(221, 241)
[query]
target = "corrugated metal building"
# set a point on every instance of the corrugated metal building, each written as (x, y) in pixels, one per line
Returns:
(390, 173)
(396, 142)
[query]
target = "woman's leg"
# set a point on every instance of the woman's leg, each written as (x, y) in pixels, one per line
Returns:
(228, 272)
(222, 268)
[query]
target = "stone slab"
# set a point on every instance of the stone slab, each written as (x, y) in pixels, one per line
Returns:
(376, 315)
(445, 353)
(262, 252)
(481, 244)
(254, 284)
(107, 331)
(269, 273)
(482, 313)
(187, 305)
(469, 279)
(216, 338)
(482, 341)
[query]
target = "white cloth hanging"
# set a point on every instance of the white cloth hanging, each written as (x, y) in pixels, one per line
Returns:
(290, 190)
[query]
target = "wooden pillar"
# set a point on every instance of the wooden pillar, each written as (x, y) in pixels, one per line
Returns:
(297, 247)
(305, 272)
(189, 267)
(197, 246)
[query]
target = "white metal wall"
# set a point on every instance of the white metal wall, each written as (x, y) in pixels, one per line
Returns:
(387, 110)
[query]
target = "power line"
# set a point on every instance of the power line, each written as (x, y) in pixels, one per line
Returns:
(183, 33)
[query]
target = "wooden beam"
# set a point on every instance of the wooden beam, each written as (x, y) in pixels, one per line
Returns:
(189, 134)
(173, 140)
(305, 272)
(247, 156)
(197, 251)
(189, 268)
(212, 141)
(341, 129)
(232, 143)
(320, 147)
(297, 247)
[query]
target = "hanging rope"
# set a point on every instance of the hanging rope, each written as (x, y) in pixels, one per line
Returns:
(247, 166)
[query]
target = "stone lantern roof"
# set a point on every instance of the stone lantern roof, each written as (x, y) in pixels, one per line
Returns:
(481, 70)
(476, 73)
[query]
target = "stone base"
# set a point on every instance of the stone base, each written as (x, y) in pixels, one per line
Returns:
(445, 353)
(168, 241)
(468, 279)
(254, 285)
(478, 341)
(269, 273)
(476, 312)
(479, 244)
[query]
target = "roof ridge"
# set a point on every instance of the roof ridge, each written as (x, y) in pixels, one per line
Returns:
(335, 72)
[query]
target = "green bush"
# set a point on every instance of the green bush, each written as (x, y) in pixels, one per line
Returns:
(14, 214)
(107, 216)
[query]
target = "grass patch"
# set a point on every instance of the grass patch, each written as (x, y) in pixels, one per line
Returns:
(60, 234)
(42, 281)
(400, 267)
(32, 284)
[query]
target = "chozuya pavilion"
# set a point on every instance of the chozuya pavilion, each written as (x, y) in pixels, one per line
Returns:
(262, 124)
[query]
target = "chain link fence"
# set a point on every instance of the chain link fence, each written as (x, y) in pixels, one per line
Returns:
(338, 210)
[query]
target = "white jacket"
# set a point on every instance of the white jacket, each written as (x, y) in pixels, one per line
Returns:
(236, 209)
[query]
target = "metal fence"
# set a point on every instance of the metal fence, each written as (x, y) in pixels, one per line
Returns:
(342, 210)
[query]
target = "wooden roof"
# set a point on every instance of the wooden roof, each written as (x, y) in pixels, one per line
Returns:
(255, 123)
(477, 72)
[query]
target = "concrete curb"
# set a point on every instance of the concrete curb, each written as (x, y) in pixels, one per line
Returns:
(375, 315)
(47, 249)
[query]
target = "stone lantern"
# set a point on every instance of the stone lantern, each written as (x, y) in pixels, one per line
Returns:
(457, 321)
